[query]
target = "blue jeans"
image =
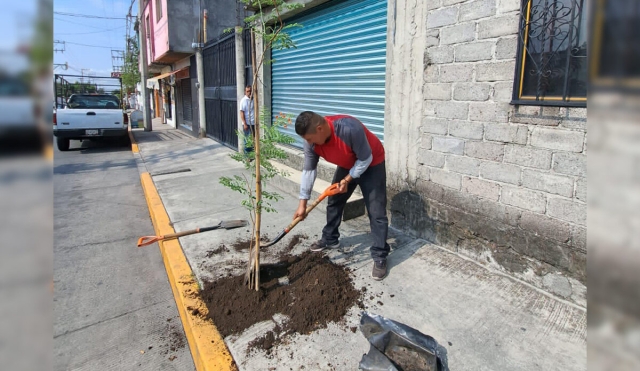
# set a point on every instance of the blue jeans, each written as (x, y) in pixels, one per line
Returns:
(251, 130)
(373, 184)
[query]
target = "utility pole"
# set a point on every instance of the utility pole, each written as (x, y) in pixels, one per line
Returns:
(146, 112)
(202, 117)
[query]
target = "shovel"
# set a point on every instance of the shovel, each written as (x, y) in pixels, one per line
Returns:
(332, 190)
(229, 224)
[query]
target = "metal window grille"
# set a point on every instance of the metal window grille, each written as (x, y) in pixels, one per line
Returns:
(551, 64)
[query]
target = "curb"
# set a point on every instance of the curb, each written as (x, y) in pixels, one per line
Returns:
(207, 347)
(208, 350)
(134, 145)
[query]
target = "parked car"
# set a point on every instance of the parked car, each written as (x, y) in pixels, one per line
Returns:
(89, 116)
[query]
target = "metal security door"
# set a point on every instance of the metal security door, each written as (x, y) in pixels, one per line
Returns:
(220, 91)
(338, 65)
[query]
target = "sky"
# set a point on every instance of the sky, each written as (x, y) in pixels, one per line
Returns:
(102, 34)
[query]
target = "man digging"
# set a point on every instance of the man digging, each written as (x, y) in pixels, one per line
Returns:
(344, 141)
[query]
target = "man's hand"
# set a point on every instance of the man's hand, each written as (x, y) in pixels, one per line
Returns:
(301, 211)
(245, 127)
(344, 184)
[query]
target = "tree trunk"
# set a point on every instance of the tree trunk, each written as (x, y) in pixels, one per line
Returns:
(256, 148)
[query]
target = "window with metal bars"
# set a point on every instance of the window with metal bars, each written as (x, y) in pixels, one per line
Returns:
(551, 64)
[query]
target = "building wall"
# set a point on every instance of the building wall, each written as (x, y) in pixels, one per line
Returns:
(160, 28)
(503, 184)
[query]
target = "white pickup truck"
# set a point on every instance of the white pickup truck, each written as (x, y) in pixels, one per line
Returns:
(89, 116)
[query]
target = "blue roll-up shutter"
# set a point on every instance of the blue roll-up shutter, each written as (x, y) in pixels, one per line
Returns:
(338, 66)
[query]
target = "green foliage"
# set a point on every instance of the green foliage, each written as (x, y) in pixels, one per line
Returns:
(270, 138)
(130, 72)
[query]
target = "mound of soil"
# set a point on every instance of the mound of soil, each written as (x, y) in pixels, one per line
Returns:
(318, 292)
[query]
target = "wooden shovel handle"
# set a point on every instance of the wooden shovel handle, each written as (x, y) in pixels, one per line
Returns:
(332, 190)
(148, 240)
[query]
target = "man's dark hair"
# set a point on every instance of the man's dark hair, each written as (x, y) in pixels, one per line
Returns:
(307, 122)
(248, 86)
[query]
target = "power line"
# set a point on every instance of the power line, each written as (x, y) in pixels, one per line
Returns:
(86, 33)
(79, 24)
(86, 15)
(92, 46)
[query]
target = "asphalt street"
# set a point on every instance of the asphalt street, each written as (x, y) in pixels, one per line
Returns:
(113, 305)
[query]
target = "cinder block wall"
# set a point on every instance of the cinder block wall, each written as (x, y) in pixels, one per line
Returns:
(503, 184)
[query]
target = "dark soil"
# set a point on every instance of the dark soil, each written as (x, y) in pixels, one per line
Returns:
(172, 340)
(319, 292)
(243, 245)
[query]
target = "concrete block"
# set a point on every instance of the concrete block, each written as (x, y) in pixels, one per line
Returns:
(506, 48)
(505, 6)
(431, 74)
(524, 199)
(485, 150)
(570, 164)
(474, 51)
(448, 145)
(434, 4)
(489, 112)
(500, 172)
(432, 37)
(466, 129)
(440, 54)
(445, 178)
(442, 17)
(452, 110)
(498, 26)
(569, 210)
(550, 183)
(423, 172)
(425, 141)
(456, 72)
(435, 126)
(543, 226)
(534, 115)
(482, 188)
(527, 156)
(579, 238)
(477, 9)
(471, 91)
(458, 34)
(431, 158)
(506, 133)
(463, 165)
(557, 139)
(581, 189)
(503, 92)
(429, 108)
(495, 71)
(437, 91)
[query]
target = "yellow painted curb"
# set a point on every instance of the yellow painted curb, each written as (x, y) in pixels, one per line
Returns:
(207, 346)
(134, 145)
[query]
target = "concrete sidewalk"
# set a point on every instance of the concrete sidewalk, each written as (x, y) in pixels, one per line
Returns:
(486, 320)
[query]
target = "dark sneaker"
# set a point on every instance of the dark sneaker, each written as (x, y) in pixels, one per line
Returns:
(321, 245)
(379, 270)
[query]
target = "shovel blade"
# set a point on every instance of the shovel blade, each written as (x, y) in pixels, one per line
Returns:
(231, 224)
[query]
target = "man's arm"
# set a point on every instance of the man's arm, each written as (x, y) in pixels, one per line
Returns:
(309, 171)
(355, 137)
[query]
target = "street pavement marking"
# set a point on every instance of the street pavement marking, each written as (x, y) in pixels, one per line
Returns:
(205, 342)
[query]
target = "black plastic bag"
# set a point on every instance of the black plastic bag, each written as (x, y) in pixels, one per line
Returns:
(398, 347)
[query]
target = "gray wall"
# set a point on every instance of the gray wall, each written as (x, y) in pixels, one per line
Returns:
(500, 183)
(184, 21)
